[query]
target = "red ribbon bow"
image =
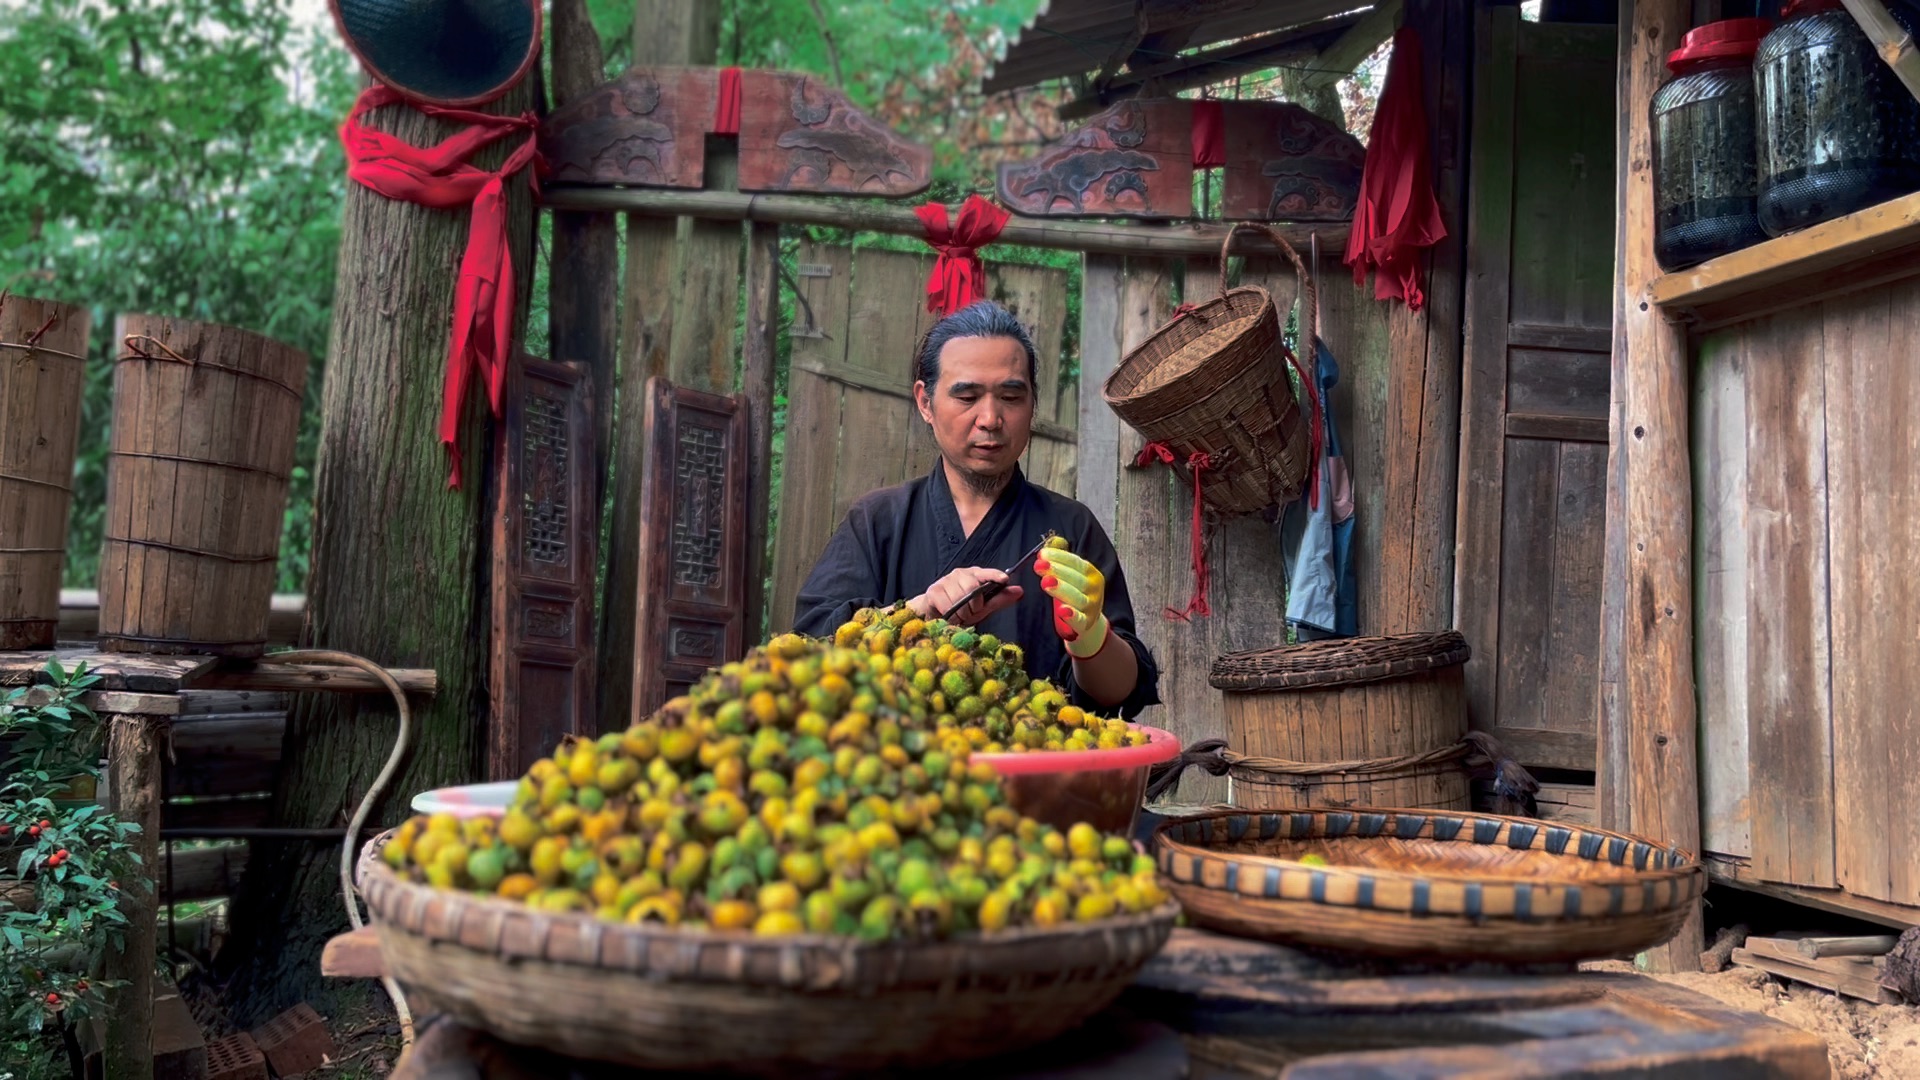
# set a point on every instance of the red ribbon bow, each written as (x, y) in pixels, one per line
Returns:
(1199, 462)
(439, 177)
(958, 279)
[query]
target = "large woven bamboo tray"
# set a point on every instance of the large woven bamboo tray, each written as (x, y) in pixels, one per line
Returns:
(805, 1005)
(1427, 886)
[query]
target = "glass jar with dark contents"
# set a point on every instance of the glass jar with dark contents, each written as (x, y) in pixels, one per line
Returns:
(1703, 146)
(1837, 130)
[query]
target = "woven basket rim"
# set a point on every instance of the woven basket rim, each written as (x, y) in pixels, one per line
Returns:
(854, 965)
(1682, 863)
(1339, 661)
(1136, 362)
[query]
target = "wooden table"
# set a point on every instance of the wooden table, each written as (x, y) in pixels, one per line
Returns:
(1218, 1008)
(137, 698)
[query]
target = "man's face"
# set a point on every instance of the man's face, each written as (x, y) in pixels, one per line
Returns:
(982, 411)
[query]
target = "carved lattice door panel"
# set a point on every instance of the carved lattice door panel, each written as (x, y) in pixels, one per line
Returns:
(693, 541)
(546, 534)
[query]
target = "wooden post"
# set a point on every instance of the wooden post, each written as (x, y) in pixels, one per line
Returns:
(657, 294)
(757, 383)
(133, 754)
(1648, 765)
(584, 297)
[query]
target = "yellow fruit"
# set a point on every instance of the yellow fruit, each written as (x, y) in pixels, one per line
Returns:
(516, 886)
(733, 915)
(1083, 840)
(775, 923)
(779, 896)
(995, 912)
(1048, 911)
(1093, 907)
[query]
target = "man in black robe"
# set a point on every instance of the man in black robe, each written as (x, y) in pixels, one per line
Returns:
(931, 540)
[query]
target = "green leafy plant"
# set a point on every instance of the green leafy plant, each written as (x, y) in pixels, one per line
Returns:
(64, 862)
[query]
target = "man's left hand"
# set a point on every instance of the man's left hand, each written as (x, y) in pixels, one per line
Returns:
(1078, 589)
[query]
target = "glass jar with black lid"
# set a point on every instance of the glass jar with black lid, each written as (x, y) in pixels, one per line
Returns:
(1837, 131)
(1703, 146)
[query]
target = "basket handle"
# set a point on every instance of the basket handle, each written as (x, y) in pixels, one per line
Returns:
(1309, 299)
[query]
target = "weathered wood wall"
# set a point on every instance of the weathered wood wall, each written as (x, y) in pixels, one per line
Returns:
(1808, 597)
(851, 422)
(1534, 429)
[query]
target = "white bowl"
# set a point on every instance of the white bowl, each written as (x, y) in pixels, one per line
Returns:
(468, 800)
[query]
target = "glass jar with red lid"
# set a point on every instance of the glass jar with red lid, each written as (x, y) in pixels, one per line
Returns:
(1705, 188)
(1837, 131)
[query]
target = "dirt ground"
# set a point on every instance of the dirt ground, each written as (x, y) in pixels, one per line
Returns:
(1864, 1042)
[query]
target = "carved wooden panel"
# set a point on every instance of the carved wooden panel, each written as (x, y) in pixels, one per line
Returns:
(799, 134)
(1287, 164)
(546, 535)
(693, 531)
(646, 128)
(1133, 160)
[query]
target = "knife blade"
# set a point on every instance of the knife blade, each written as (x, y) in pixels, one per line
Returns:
(987, 590)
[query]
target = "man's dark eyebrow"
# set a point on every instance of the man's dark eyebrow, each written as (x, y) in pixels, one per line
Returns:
(974, 387)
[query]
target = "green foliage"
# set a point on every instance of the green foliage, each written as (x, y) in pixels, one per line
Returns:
(173, 157)
(61, 863)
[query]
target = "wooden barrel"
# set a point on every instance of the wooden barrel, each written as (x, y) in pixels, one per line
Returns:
(43, 373)
(204, 423)
(1349, 722)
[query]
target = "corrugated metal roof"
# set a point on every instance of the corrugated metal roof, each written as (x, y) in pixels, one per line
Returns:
(1074, 37)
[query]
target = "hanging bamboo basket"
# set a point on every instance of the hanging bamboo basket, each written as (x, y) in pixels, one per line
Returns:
(205, 419)
(43, 360)
(1214, 382)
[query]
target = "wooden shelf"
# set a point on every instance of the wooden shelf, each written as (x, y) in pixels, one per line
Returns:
(1859, 251)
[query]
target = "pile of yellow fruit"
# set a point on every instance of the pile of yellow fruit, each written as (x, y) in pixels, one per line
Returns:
(815, 785)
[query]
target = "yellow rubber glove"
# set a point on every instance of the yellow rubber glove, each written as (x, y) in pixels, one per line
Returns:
(1078, 589)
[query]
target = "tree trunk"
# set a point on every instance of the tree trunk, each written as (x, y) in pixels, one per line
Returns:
(399, 566)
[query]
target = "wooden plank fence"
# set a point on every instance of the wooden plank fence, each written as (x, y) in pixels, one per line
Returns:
(851, 422)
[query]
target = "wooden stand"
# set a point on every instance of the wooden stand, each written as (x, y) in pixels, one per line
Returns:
(138, 700)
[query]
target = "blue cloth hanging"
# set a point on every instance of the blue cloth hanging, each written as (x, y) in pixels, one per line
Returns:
(1323, 597)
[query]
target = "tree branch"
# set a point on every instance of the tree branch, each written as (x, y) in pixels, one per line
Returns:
(826, 35)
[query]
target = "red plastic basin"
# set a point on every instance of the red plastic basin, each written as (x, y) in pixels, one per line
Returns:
(1103, 788)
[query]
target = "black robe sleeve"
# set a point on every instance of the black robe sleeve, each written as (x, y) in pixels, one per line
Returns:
(1092, 545)
(843, 579)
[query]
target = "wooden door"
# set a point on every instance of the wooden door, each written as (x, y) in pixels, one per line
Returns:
(691, 611)
(1536, 373)
(546, 538)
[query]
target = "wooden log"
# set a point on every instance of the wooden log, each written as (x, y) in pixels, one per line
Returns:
(353, 955)
(133, 751)
(1647, 691)
(1864, 986)
(1813, 948)
(205, 418)
(300, 678)
(1094, 238)
(43, 361)
(201, 873)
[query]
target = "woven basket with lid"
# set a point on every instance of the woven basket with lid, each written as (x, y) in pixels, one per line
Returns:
(1371, 720)
(1214, 381)
(655, 997)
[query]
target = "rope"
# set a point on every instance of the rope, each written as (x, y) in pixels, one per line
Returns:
(138, 351)
(374, 791)
(1477, 749)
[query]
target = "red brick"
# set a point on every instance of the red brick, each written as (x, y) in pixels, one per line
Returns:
(235, 1058)
(295, 1042)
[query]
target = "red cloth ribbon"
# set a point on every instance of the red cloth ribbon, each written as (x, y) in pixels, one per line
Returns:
(726, 114)
(958, 279)
(1209, 135)
(1397, 216)
(439, 177)
(1198, 462)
